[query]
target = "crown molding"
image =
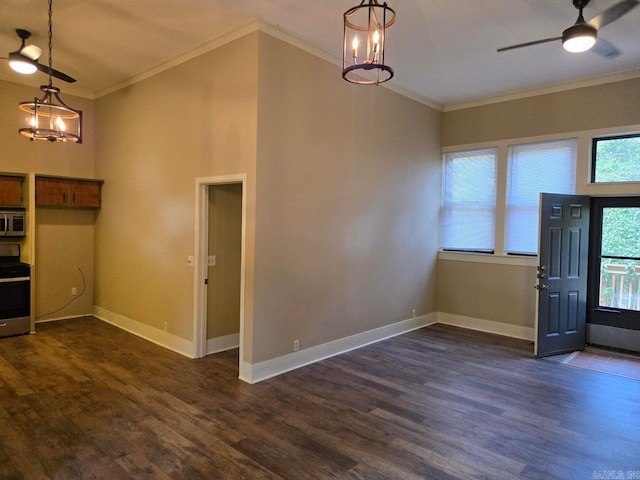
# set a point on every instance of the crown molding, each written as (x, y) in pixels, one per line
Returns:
(291, 39)
(234, 34)
(554, 88)
(225, 38)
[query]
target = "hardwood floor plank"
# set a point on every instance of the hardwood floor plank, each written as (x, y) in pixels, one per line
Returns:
(84, 400)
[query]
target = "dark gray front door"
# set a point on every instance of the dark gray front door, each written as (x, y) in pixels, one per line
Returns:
(562, 274)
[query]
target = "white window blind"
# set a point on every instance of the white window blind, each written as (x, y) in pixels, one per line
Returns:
(548, 167)
(469, 200)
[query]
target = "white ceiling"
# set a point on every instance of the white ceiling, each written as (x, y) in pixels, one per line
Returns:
(442, 50)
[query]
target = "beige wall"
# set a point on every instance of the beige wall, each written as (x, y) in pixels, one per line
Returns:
(154, 139)
(64, 253)
(342, 193)
(63, 238)
(348, 188)
(499, 293)
(504, 293)
(225, 242)
(598, 107)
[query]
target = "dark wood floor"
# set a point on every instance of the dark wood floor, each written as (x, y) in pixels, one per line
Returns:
(82, 399)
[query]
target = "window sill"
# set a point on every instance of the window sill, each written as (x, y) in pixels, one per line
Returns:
(515, 260)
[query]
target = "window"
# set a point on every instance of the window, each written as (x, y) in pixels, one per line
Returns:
(548, 167)
(616, 159)
(469, 201)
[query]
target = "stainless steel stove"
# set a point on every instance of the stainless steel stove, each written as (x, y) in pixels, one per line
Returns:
(15, 292)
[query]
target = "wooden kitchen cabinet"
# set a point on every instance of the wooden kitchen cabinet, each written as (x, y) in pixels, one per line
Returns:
(84, 193)
(67, 192)
(52, 192)
(10, 191)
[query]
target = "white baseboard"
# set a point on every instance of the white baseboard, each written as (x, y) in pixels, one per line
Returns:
(57, 319)
(155, 335)
(222, 344)
(489, 326)
(253, 373)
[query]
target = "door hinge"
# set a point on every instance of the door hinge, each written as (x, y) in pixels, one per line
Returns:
(206, 281)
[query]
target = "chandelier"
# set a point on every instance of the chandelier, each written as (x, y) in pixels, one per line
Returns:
(49, 117)
(365, 28)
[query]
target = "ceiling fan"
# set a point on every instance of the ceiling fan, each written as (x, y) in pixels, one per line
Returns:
(582, 35)
(25, 59)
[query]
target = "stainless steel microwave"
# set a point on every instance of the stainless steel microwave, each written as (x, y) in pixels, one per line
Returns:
(12, 222)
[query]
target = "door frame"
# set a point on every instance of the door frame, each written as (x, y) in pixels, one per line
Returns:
(201, 254)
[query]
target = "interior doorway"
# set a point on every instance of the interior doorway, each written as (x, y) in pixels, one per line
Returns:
(220, 264)
(223, 267)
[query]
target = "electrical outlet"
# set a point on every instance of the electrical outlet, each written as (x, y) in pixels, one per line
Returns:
(296, 345)
(74, 290)
(166, 326)
(413, 313)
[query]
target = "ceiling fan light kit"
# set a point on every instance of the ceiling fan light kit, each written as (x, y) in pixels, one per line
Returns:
(365, 33)
(579, 38)
(49, 118)
(24, 59)
(21, 64)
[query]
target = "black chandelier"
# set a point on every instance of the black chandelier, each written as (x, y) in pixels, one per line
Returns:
(49, 117)
(365, 28)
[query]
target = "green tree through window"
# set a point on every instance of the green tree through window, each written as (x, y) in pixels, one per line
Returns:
(616, 159)
(620, 251)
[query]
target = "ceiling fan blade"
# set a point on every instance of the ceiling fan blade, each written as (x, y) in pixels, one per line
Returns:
(605, 49)
(56, 73)
(528, 44)
(613, 13)
(32, 52)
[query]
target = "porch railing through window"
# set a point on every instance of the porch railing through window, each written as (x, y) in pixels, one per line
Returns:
(620, 286)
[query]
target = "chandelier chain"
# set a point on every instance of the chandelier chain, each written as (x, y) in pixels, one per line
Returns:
(50, 41)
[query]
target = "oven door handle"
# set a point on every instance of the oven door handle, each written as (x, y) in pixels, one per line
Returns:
(14, 279)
